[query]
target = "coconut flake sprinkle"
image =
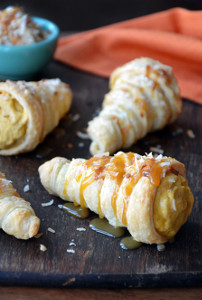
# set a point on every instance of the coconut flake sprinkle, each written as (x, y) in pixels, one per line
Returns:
(48, 203)
(43, 248)
(81, 229)
(157, 150)
(51, 230)
(26, 188)
(70, 251)
(190, 134)
(82, 135)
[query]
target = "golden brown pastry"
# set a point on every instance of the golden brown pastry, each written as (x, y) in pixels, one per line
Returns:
(17, 217)
(144, 97)
(150, 196)
(29, 111)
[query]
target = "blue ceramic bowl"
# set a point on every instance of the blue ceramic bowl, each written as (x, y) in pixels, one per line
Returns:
(23, 62)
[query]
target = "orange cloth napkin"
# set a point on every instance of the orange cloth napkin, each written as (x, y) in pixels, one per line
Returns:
(174, 37)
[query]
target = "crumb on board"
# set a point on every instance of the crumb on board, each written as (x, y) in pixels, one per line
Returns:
(190, 134)
(60, 206)
(75, 117)
(51, 230)
(43, 248)
(81, 229)
(38, 235)
(81, 145)
(26, 188)
(70, 251)
(161, 247)
(70, 145)
(72, 244)
(156, 149)
(82, 135)
(48, 203)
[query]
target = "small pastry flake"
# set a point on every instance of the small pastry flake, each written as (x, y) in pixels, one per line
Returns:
(17, 217)
(29, 111)
(144, 97)
(150, 196)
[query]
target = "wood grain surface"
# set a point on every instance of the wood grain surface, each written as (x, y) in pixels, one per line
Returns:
(24, 293)
(98, 260)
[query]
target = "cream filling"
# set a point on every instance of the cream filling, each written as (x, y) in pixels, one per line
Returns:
(172, 205)
(13, 120)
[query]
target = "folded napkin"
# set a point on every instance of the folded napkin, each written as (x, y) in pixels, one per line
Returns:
(173, 37)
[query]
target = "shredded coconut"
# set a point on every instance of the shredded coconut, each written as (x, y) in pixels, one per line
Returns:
(163, 164)
(43, 247)
(161, 247)
(51, 230)
(157, 150)
(103, 154)
(26, 188)
(6, 180)
(18, 28)
(136, 163)
(159, 157)
(70, 250)
(72, 244)
(81, 229)
(48, 203)
(75, 118)
(82, 135)
(190, 134)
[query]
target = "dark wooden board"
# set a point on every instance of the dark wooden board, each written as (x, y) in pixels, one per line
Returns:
(98, 260)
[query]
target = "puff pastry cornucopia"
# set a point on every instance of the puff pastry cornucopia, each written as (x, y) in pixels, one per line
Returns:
(150, 196)
(29, 111)
(17, 217)
(144, 97)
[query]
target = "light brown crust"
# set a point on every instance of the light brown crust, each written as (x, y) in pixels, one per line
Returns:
(17, 217)
(144, 97)
(122, 188)
(45, 103)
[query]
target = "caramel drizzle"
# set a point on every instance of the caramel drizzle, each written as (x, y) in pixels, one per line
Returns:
(115, 168)
(150, 168)
(97, 166)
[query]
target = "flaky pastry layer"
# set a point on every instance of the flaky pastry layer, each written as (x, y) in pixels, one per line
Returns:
(144, 97)
(121, 188)
(17, 217)
(44, 103)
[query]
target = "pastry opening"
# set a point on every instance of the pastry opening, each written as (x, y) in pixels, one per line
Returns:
(172, 205)
(13, 120)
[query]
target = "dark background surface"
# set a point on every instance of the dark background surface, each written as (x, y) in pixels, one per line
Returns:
(98, 260)
(81, 15)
